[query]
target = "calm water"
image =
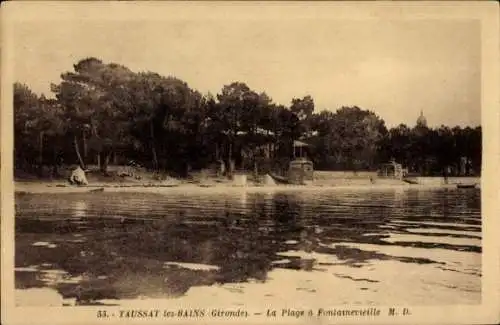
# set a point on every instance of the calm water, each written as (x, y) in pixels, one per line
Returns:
(340, 247)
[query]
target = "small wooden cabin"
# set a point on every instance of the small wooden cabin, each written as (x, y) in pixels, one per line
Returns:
(301, 169)
(392, 170)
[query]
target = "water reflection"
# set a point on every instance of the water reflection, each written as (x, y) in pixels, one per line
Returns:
(79, 209)
(126, 246)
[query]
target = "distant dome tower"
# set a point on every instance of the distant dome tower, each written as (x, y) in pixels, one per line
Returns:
(422, 121)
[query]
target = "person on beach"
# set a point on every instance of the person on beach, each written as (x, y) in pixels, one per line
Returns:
(78, 177)
(446, 172)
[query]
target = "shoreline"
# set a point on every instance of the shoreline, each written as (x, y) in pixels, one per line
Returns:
(63, 188)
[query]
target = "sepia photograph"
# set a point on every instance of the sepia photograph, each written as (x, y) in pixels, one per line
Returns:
(230, 162)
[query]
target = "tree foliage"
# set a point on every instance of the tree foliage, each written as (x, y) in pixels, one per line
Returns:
(105, 111)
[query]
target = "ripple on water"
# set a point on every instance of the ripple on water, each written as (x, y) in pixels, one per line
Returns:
(410, 238)
(238, 246)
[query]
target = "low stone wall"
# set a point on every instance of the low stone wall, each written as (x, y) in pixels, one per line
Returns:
(343, 178)
(464, 180)
(367, 178)
(343, 174)
(343, 182)
(429, 180)
(451, 180)
(388, 181)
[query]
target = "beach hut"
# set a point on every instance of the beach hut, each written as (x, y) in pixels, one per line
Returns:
(299, 149)
(301, 169)
(391, 170)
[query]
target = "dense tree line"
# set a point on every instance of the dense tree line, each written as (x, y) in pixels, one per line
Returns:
(105, 113)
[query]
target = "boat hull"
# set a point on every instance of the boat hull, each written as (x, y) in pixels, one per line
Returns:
(279, 179)
(466, 186)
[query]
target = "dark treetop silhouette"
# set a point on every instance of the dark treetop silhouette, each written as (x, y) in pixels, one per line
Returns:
(103, 112)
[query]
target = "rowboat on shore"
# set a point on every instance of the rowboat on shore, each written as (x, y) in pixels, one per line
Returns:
(279, 179)
(62, 189)
(410, 181)
(466, 185)
(81, 189)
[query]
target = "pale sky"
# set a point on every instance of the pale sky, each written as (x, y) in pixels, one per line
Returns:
(394, 68)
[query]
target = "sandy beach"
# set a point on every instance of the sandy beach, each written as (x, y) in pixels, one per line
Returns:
(184, 186)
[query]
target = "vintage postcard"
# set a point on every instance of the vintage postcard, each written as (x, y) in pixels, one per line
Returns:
(250, 162)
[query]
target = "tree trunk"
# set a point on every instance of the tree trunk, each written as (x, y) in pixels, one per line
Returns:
(93, 132)
(54, 162)
(230, 170)
(104, 165)
(85, 150)
(153, 146)
(243, 158)
(77, 150)
(40, 157)
(155, 156)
